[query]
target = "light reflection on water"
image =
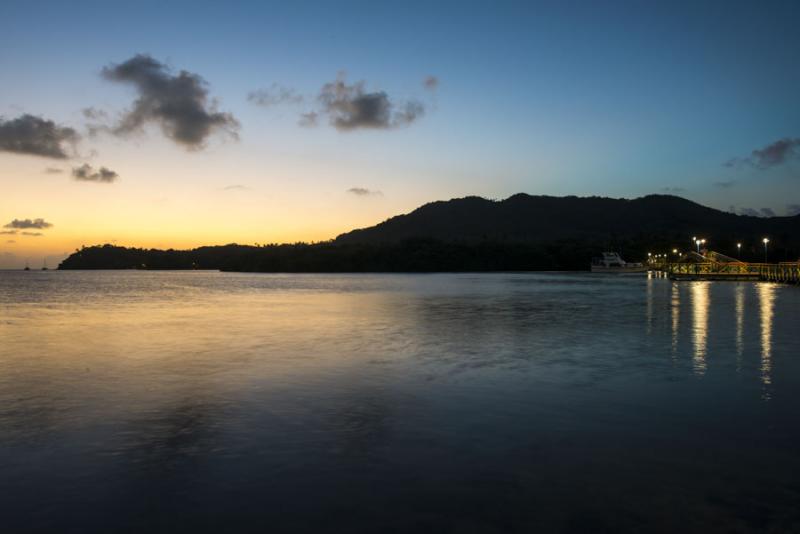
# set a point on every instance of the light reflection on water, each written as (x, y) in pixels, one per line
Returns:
(739, 296)
(700, 307)
(362, 403)
(766, 298)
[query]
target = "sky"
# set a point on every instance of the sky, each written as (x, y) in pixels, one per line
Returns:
(177, 124)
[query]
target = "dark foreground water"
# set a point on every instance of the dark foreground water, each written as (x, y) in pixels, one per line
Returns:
(465, 403)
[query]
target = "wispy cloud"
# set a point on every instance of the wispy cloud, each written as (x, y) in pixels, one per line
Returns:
(308, 120)
(274, 95)
(179, 103)
(672, 190)
(793, 209)
(24, 224)
(753, 212)
(87, 173)
(8, 232)
(725, 184)
(32, 234)
(431, 83)
(363, 192)
(235, 187)
(769, 156)
(53, 170)
(36, 136)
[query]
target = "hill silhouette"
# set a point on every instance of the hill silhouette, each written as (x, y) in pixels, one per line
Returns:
(527, 218)
(522, 232)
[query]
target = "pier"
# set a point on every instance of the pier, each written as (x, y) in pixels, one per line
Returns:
(715, 266)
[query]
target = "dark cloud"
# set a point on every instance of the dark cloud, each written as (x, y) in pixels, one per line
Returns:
(672, 190)
(53, 170)
(771, 155)
(178, 103)
(350, 107)
(793, 209)
(431, 83)
(87, 173)
(8, 232)
(750, 212)
(32, 234)
(274, 95)
(235, 187)
(725, 184)
(35, 136)
(767, 212)
(363, 192)
(24, 224)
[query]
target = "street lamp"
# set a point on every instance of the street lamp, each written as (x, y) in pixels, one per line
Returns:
(739, 250)
(700, 242)
(766, 241)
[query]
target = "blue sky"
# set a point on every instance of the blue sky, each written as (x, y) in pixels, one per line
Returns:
(618, 99)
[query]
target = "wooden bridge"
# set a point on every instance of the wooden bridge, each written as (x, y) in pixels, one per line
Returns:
(716, 266)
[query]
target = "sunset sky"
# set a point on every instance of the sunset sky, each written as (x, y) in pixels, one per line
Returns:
(177, 124)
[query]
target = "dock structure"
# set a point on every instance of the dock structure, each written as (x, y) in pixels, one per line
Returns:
(716, 266)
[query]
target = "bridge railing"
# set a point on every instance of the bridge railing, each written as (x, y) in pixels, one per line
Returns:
(780, 272)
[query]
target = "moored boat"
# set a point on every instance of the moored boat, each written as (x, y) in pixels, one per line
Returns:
(612, 262)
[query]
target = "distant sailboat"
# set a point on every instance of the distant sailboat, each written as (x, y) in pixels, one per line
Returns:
(44, 265)
(27, 267)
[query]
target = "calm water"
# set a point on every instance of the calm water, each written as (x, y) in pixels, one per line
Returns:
(203, 401)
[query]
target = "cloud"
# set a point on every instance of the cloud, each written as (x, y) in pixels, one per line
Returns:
(32, 234)
(36, 136)
(793, 209)
(8, 232)
(350, 107)
(750, 212)
(672, 190)
(235, 187)
(53, 170)
(10, 241)
(363, 192)
(94, 113)
(178, 103)
(24, 224)
(86, 173)
(725, 184)
(771, 155)
(431, 83)
(309, 119)
(274, 95)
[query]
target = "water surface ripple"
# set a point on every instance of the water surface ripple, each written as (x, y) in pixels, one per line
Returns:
(221, 402)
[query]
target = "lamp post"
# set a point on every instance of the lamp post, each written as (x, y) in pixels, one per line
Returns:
(766, 241)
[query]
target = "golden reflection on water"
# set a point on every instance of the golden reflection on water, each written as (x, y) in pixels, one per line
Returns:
(700, 306)
(739, 299)
(766, 301)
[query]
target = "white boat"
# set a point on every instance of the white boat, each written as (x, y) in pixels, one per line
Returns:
(612, 262)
